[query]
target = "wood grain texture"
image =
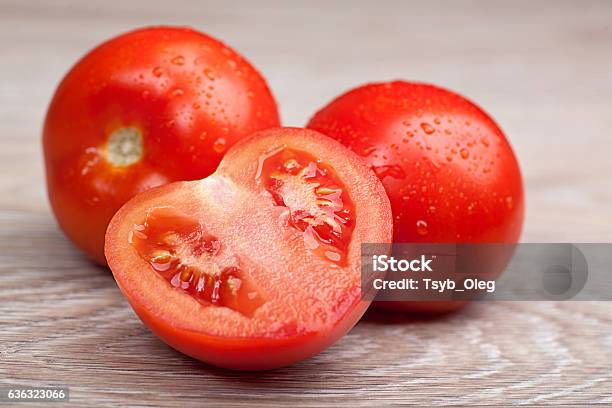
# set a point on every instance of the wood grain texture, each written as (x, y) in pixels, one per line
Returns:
(543, 69)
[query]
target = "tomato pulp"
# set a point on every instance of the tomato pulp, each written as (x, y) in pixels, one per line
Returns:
(143, 109)
(449, 172)
(258, 265)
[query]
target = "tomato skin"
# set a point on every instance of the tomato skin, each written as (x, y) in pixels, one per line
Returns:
(247, 353)
(191, 98)
(449, 172)
(310, 301)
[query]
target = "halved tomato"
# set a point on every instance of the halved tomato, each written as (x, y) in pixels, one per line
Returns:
(258, 265)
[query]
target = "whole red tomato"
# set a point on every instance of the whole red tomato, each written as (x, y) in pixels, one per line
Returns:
(143, 109)
(446, 166)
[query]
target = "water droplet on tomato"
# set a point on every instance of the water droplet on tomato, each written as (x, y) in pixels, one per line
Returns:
(176, 92)
(220, 145)
(427, 128)
(394, 171)
(421, 227)
(209, 74)
(368, 150)
(178, 60)
(158, 71)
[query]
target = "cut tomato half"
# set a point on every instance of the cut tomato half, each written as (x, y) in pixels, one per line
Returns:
(258, 265)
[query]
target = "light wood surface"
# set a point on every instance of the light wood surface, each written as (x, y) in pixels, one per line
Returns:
(542, 69)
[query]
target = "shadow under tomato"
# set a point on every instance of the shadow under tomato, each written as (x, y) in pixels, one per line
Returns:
(379, 315)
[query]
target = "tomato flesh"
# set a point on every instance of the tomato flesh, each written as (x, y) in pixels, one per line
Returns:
(178, 247)
(317, 201)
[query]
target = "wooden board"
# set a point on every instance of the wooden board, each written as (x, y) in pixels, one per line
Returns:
(542, 69)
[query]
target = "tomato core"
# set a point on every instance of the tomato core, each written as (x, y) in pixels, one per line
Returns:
(317, 202)
(179, 249)
(124, 146)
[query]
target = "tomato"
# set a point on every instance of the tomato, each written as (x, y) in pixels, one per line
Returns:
(143, 109)
(447, 167)
(258, 265)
